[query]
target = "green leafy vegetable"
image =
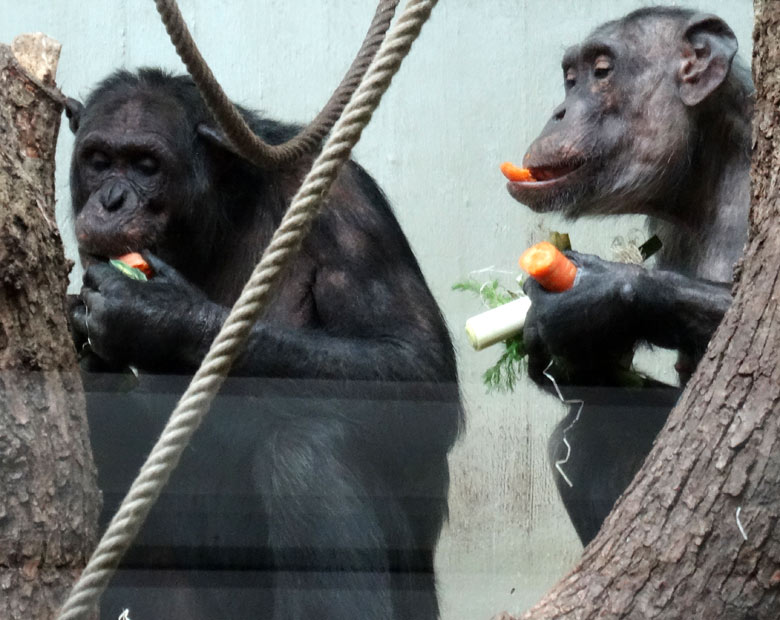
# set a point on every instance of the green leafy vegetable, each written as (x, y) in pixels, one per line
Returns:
(491, 292)
(130, 272)
(502, 376)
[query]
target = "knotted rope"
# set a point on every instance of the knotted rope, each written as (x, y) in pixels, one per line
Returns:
(195, 402)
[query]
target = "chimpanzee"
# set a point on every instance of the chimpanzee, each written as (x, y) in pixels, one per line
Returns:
(350, 490)
(656, 120)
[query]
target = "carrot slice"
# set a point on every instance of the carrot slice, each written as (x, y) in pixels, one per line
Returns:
(136, 261)
(549, 267)
(513, 173)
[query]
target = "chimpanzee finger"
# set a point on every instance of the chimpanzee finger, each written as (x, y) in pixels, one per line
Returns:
(96, 275)
(77, 319)
(73, 303)
(161, 268)
(532, 289)
(94, 301)
(586, 261)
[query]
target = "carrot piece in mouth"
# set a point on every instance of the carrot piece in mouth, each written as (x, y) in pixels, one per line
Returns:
(514, 174)
(136, 261)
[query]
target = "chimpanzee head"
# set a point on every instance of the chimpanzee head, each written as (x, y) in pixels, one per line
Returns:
(141, 174)
(640, 93)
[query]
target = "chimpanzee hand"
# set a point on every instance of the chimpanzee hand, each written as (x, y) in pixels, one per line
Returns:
(75, 308)
(160, 324)
(591, 328)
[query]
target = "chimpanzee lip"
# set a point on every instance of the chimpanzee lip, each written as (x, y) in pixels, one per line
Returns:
(546, 178)
(88, 258)
(97, 241)
(546, 174)
(100, 250)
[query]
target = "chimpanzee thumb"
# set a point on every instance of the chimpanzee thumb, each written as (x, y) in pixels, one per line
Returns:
(532, 288)
(77, 320)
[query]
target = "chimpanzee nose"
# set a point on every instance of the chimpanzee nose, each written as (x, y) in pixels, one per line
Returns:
(559, 112)
(114, 198)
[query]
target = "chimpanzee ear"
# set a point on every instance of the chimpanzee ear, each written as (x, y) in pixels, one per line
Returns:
(709, 47)
(73, 110)
(216, 138)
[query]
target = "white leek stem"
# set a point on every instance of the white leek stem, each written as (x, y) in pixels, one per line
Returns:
(497, 324)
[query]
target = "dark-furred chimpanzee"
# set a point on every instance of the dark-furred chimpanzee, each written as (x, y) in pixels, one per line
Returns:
(656, 121)
(352, 501)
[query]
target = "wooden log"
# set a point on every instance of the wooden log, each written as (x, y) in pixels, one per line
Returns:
(49, 500)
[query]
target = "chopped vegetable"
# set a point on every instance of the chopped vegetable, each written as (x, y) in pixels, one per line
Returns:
(549, 267)
(133, 266)
(513, 173)
(136, 261)
(497, 324)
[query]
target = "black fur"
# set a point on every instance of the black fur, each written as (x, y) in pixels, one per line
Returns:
(656, 120)
(339, 491)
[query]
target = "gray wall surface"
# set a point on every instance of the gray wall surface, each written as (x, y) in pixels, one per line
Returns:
(478, 86)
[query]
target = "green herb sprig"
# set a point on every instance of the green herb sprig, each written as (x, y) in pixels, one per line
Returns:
(501, 376)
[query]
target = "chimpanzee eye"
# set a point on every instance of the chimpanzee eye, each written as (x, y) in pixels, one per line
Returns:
(98, 161)
(602, 67)
(147, 165)
(570, 78)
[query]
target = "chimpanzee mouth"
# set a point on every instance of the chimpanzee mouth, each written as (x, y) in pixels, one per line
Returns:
(547, 180)
(87, 259)
(543, 174)
(99, 243)
(94, 256)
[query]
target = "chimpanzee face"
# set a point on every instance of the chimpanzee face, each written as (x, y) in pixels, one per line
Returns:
(621, 140)
(127, 172)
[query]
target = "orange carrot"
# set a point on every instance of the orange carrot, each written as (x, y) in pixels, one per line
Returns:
(136, 261)
(549, 267)
(513, 173)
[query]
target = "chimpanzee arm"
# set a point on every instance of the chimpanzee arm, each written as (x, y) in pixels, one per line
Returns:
(372, 315)
(611, 307)
(678, 312)
(388, 350)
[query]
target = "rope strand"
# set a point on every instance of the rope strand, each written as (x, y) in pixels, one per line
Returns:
(194, 404)
(230, 120)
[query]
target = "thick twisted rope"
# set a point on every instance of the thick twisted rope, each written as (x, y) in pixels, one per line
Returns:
(195, 402)
(248, 144)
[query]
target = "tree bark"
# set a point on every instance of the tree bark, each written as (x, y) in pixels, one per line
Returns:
(49, 499)
(696, 535)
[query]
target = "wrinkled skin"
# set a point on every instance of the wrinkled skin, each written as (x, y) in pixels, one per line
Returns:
(648, 100)
(620, 141)
(656, 121)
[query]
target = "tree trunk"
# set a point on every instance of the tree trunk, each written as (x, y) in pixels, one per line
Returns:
(697, 534)
(49, 499)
